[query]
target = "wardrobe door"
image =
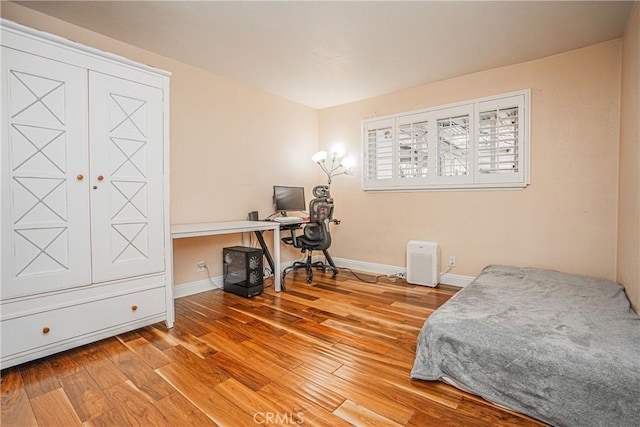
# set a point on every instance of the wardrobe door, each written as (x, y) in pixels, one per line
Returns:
(45, 206)
(126, 158)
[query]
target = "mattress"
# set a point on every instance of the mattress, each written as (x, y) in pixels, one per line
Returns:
(562, 348)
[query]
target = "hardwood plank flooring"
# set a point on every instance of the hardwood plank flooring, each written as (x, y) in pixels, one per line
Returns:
(336, 352)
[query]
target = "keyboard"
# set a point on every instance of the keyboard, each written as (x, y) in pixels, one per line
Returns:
(287, 219)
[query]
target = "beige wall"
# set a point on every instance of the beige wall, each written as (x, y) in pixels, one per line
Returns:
(230, 143)
(629, 179)
(566, 219)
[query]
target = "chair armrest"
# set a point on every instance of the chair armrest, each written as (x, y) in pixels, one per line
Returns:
(291, 240)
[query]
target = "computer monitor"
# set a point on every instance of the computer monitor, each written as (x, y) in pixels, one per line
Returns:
(288, 198)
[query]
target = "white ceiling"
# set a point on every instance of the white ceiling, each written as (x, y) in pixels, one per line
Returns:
(328, 53)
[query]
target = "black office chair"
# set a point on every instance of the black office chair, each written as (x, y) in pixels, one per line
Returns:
(316, 235)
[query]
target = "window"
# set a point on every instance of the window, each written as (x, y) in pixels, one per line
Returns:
(480, 143)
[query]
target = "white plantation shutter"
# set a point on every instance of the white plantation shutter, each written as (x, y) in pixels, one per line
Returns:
(379, 156)
(413, 149)
(474, 144)
(500, 140)
(454, 148)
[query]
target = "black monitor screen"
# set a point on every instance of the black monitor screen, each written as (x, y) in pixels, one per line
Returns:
(288, 198)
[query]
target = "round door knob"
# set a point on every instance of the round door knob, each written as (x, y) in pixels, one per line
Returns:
(134, 307)
(45, 330)
(95, 187)
(100, 177)
(80, 177)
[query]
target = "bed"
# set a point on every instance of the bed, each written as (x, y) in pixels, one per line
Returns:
(562, 348)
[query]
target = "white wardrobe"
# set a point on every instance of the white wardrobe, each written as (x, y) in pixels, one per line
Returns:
(85, 238)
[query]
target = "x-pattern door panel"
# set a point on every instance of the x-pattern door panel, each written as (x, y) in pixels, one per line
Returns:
(45, 211)
(127, 178)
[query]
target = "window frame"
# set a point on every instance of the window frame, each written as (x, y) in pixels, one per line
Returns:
(474, 179)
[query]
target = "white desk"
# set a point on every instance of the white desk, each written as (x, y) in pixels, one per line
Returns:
(181, 231)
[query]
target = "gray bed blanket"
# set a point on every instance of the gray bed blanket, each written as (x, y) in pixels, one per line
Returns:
(562, 348)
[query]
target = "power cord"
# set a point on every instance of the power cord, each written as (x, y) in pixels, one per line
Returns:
(392, 278)
(266, 272)
(448, 270)
(377, 278)
(209, 275)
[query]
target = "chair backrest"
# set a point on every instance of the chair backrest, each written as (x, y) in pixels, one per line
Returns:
(320, 209)
(320, 213)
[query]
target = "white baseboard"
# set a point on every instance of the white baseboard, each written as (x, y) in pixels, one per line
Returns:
(369, 266)
(198, 286)
(186, 289)
(455, 279)
(445, 279)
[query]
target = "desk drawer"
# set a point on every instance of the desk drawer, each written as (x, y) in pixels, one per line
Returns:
(49, 327)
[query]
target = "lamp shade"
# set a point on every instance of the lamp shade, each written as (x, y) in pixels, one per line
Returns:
(319, 156)
(348, 163)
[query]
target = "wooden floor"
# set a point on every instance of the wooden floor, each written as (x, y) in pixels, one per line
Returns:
(334, 353)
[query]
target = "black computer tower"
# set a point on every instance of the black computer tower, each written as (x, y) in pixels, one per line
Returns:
(242, 271)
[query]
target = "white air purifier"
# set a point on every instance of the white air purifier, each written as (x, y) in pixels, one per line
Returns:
(423, 263)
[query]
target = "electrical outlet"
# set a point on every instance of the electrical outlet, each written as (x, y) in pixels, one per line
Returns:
(200, 265)
(452, 261)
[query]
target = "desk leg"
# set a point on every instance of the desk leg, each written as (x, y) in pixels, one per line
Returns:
(277, 283)
(265, 249)
(275, 265)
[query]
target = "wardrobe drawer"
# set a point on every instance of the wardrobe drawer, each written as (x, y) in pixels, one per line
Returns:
(41, 329)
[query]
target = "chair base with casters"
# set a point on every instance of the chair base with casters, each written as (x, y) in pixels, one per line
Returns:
(309, 265)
